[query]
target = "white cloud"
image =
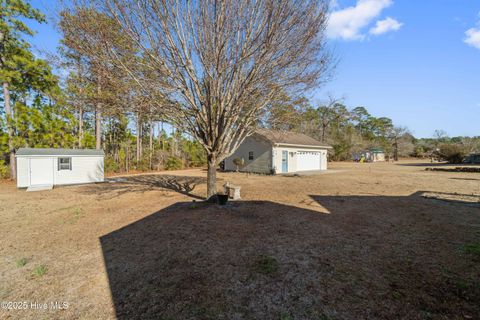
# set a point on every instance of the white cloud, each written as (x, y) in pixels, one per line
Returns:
(334, 4)
(473, 37)
(348, 23)
(384, 26)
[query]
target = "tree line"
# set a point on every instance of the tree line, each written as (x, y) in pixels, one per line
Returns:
(351, 130)
(207, 68)
(87, 107)
(347, 130)
(172, 84)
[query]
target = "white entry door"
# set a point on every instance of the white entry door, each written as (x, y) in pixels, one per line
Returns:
(308, 160)
(41, 171)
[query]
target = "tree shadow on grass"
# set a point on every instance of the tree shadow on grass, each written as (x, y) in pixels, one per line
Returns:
(372, 257)
(436, 164)
(466, 179)
(117, 186)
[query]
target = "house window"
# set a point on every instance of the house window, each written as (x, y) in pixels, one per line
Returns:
(250, 155)
(64, 164)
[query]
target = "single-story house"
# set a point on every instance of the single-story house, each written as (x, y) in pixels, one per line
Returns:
(370, 155)
(49, 167)
(473, 158)
(271, 151)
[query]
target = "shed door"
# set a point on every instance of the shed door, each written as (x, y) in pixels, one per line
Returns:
(308, 160)
(41, 171)
(284, 161)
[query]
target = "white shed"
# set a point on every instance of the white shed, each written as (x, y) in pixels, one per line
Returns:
(271, 151)
(49, 167)
(370, 155)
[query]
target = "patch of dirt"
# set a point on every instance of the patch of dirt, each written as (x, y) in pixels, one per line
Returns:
(359, 243)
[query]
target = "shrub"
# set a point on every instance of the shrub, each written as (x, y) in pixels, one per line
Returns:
(473, 250)
(4, 172)
(173, 163)
(341, 152)
(143, 164)
(453, 153)
(239, 162)
(111, 165)
(419, 152)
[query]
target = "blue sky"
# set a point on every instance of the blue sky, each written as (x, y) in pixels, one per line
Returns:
(417, 62)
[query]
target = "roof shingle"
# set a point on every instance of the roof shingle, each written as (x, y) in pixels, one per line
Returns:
(58, 152)
(288, 137)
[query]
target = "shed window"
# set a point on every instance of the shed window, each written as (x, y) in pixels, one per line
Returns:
(64, 164)
(250, 155)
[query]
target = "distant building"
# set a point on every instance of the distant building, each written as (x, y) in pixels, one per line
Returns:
(370, 155)
(271, 151)
(473, 158)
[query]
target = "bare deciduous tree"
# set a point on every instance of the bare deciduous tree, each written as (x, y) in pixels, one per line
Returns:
(331, 112)
(219, 63)
(395, 135)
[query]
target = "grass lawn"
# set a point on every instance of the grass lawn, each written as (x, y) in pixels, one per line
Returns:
(362, 241)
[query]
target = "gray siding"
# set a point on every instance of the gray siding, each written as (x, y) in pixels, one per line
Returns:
(262, 156)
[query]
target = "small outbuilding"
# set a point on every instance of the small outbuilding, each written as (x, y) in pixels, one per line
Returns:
(370, 155)
(49, 167)
(473, 158)
(271, 151)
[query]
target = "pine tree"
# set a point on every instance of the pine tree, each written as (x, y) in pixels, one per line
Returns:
(20, 71)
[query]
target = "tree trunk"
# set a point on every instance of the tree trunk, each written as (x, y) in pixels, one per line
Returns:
(126, 159)
(212, 176)
(98, 127)
(150, 142)
(159, 137)
(395, 150)
(173, 150)
(138, 140)
(141, 141)
(98, 119)
(324, 129)
(9, 115)
(80, 127)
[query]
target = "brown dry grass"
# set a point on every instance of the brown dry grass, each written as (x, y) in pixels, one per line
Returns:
(359, 242)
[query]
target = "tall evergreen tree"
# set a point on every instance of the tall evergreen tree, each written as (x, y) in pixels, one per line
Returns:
(20, 71)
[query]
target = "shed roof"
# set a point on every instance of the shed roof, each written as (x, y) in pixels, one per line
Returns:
(58, 152)
(376, 150)
(289, 138)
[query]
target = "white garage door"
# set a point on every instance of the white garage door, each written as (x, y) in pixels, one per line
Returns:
(308, 160)
(41, 171)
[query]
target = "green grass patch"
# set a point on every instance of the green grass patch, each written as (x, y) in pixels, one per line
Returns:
(462, 285)
(473, 250)
(286, 316)
(39, 271)
(21, 262)
(266, 265)
(396, 295)
(77, 212)
(74, 216)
